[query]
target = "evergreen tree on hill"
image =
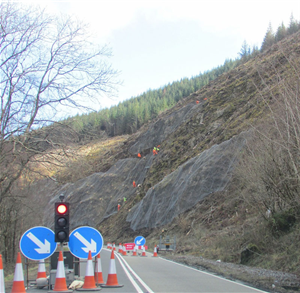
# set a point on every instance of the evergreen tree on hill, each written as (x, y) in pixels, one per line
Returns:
(293, 26)
(269, 39)
(281, 33)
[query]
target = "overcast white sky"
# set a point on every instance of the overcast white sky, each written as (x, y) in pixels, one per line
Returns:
(161, 41)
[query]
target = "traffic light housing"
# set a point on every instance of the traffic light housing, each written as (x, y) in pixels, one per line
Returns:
(62, 222)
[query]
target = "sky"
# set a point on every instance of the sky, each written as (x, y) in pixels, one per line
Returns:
(155, 43)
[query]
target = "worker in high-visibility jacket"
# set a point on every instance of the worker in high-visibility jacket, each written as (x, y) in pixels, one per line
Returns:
(154, 151)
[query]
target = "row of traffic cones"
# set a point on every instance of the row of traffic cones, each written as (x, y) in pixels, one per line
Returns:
(18, 283)
(122, 250)
(90, 279)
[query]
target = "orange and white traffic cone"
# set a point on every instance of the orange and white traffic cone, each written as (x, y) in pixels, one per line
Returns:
(114, 246)
(89, 279)
(134, 251)
(60, 280)
(41, 270)
(124, 253)
(18, 284)
(120, 248)
(2, 286)
(144, 252)
(112, 280)
(41, 279)
(98, 272)
(155, 251)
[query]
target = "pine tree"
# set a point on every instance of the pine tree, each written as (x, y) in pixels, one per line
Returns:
(293, 27)
(245, 51)
(281, 33)
(269, 39)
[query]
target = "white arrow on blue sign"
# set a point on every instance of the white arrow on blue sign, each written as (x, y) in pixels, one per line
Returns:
(140, 240)
(38, 243)
(85, 239)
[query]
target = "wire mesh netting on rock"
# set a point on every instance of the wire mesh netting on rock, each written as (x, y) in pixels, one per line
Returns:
(202, 175)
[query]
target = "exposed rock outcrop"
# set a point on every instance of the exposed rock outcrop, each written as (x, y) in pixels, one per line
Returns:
(96, 197)
(202, 175)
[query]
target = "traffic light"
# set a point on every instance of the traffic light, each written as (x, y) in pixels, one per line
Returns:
(62, 223)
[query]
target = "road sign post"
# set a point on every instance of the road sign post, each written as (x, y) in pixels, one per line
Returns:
(38, 243)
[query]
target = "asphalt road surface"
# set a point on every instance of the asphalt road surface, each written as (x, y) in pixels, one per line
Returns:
(154, 274)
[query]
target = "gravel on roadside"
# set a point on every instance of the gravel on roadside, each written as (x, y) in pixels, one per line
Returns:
(268, 280)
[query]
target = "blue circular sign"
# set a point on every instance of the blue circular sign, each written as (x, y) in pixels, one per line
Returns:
(85, 239)
(38, 243)
(140, 240)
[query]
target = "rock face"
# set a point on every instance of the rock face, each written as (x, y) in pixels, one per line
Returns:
(202, 175)
(96, 197)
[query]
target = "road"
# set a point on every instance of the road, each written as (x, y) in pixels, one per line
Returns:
(155, 274)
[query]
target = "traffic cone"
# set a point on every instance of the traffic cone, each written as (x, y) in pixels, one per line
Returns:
(134, 251)
(41, 270)
(155, 251)
(114, 246)
(144, 252)
(89, 279)
(124, 253)
(112, 280)
(98, 271)
(60, 280)
(41, 279)
(120, 248)
(2, 286)
(18, 284)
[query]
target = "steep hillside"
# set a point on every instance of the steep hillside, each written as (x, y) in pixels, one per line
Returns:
(188, 189)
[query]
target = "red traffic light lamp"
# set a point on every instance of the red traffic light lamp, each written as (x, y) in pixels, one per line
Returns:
(61, 208)
(61, 222)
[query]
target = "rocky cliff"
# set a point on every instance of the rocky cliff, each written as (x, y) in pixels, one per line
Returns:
(206, 173)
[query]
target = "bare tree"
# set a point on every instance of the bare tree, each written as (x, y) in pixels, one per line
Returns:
(269, 169)
(46, 63)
